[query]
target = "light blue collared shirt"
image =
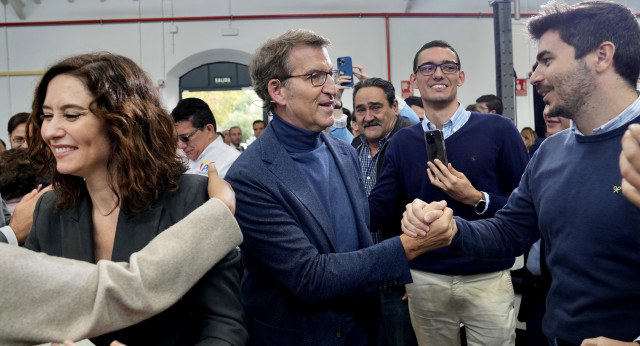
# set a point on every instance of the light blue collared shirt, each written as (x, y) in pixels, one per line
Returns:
(626, 116)
(459, 118)
(457, 121)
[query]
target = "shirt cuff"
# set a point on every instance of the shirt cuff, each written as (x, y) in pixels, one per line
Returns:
(8, 233)
(340, 123)
(486, 205)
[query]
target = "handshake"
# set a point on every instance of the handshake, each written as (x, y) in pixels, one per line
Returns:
(426, 227)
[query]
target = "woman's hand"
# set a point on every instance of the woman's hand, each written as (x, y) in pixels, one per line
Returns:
(220, 189)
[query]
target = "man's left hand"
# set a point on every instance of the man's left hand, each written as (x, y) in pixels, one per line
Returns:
(453, 183)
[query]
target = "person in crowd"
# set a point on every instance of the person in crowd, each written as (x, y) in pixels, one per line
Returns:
(17, 176)
(491, 104)
(415, 102)
(340, 126)
(98, 125)
(474, 108)
(528, 136)
(486, 159)
(197, 137)
(225, 137)
(553, 124)
(106, 296)
(376, 110)
(355, 130)
(587, 72)
(312, 272)
(18, 130)
(258, 127)
(235, 135)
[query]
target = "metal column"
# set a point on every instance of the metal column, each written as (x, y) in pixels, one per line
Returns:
(505, 74)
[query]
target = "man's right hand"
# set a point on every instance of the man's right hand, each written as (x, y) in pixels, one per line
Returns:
(22, 217)
(220, 189)
(426, 227)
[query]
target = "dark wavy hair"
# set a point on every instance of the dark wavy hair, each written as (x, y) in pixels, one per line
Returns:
(144, 160)
(585, 25)
(17, 174)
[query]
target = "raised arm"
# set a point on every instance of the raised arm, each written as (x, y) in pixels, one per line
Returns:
(50, 298)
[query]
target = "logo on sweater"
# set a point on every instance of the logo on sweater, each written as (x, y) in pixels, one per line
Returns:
(617, 189)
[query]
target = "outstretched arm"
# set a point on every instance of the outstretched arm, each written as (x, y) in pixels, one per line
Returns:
(71, 300)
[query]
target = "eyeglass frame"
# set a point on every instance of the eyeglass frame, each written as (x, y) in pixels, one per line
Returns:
(187, 138)
(335, 74)
(18, 139)
(457, 64)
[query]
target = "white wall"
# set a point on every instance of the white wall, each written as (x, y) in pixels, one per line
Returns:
(166, 55)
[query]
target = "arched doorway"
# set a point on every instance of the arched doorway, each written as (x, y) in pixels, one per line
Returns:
(224, 84)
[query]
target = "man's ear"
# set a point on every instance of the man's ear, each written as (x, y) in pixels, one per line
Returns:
(461, 78)
(209, 127)
(413, 79)
(604, 55)
(277, 91)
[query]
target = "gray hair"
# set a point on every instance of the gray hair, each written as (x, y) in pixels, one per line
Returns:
(271, 60)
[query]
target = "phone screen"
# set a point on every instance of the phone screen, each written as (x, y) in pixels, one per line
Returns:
(436, 149)
(345, 66)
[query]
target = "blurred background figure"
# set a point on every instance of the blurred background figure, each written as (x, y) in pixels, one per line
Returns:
(415, 102)
(17, 176)
(491, 104)
(18, 130)
(529, 137)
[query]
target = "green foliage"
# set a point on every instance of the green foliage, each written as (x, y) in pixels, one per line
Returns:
(232, 108)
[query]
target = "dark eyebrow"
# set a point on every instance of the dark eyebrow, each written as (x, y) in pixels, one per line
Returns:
(444, 62)
(542, 54)
(65, 107)
(369, 104)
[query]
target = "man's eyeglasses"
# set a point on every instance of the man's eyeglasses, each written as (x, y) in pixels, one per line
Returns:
(427, 69)
(185, 139)
(318, 78)
(17, 139)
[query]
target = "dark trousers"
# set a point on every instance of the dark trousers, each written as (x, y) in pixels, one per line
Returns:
(396, 322)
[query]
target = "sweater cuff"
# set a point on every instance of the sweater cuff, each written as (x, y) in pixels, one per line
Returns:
(8, 233)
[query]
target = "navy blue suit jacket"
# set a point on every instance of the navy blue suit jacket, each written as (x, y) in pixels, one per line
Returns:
(297, 290)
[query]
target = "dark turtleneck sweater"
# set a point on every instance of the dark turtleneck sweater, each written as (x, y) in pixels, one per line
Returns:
(312, 156)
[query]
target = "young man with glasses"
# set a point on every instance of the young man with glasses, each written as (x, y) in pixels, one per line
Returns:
(17, 127)
(486, 159)
(198, 139)
(312, 271)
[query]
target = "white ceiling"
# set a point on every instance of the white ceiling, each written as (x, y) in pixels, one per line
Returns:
(37, 10)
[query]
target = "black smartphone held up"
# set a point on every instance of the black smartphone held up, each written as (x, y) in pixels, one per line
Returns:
(346, 67)
(435, 146)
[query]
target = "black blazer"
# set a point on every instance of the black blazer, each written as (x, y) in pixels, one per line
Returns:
(210, 312)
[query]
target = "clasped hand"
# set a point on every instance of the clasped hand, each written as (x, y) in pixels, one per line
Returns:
(426, 227)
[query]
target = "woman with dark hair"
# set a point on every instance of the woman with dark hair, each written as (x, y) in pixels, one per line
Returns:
(97, 125)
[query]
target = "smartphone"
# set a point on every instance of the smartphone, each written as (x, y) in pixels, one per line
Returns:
(434, 141)
(345, 66)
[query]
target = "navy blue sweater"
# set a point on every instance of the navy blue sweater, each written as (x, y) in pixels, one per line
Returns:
(570, 194)
(488, 149)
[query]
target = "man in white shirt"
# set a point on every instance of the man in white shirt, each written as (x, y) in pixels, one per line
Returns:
(198, 139)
